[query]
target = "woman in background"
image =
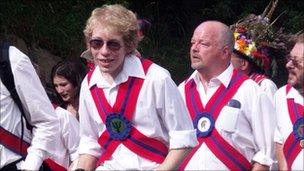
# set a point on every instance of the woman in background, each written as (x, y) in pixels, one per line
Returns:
(66, 77)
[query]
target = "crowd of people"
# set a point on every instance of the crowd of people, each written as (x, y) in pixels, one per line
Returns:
(124, 112)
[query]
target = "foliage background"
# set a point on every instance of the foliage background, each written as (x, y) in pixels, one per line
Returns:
(57, 25)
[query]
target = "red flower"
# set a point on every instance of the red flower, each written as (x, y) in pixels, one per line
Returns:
(261, 59)
(241, 29)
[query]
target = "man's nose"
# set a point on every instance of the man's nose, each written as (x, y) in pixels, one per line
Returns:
(194, 47)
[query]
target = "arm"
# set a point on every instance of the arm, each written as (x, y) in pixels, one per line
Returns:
(263, 124)
(182, 136)
(281, 109)
(280, 156)
(87, 162)
(89, 150)
(39, 111)
(69, 131)
(174, 159)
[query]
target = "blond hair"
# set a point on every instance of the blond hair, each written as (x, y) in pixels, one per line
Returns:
(114, 18)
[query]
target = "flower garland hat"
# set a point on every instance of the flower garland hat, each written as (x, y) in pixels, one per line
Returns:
(259, 43)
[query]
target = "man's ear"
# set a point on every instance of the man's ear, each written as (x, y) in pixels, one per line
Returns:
(227, 52)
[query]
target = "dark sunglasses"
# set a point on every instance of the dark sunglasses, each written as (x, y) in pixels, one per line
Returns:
(98, 43)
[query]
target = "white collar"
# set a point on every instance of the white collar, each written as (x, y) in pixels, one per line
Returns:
(223, 78)
(132, 67)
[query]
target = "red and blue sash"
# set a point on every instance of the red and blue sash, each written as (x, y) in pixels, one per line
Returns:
(217, 144)
(13, 143)
(292, 146)
(118, 120)
(258, 78)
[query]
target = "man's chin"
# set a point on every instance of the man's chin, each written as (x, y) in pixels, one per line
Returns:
(289, 81)
(295, 84)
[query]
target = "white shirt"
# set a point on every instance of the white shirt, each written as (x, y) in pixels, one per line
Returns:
(160, 113)
(38, 109)
(248, 128)
(67, 143)
(284, 125)
(269, 87)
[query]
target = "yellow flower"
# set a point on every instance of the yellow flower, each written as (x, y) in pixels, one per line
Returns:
(236, 35)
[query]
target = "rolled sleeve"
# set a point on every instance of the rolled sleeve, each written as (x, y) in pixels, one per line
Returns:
(278, 138)
(89, 146)
(33, 160)
(182, 139)
(262, 158)
(263, 130)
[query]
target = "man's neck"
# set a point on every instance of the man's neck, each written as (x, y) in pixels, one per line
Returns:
(205, 78)
(206, 75)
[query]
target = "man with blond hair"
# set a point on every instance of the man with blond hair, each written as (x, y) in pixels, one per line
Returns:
(132, 116)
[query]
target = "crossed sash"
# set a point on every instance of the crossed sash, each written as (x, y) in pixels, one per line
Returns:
(207, 116)
(295, 141)
(118, 121)
(18, 146)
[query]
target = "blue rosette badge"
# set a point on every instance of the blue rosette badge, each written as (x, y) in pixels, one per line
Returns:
(118, 126)
(298, 131)
(204, 124)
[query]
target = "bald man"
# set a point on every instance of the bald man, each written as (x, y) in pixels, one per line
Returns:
(231, 114)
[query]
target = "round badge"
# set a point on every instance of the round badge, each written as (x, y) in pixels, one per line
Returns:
(204, 124)
(118, 126)
(298, 129)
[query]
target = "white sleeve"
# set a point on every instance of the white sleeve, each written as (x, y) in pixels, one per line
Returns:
(175, 114)
(88, 127)
(269, 88)
(278, 136)
(263, 123)
(70, 133)
(40, 110)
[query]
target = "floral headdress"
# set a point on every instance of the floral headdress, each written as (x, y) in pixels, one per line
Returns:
(258, 42)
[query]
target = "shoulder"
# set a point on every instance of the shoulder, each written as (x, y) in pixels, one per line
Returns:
(268, 83)
(156, 72)
(250, 85)
(62, 114)
(16, 56)
(251, 90)
(20, 62)
(65, 116)
(281, 91)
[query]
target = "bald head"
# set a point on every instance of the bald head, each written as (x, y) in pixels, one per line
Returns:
(211, 48)
(220, 31)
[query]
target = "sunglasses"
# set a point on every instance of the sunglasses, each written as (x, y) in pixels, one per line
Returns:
(113, 45)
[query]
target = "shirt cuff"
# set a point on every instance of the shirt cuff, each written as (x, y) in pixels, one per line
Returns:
(278, 137)
(261, 158)
(33, 161)
(182, 139)
(89, 146)
(74, 156)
